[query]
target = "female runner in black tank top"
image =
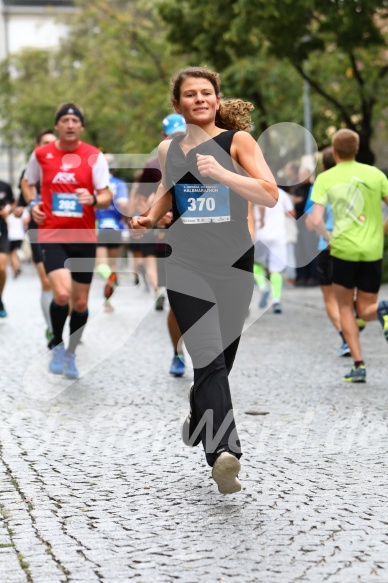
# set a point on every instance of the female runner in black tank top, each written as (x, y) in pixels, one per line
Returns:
(208, 177)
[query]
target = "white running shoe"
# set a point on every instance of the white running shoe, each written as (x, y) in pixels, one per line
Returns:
(225, 472)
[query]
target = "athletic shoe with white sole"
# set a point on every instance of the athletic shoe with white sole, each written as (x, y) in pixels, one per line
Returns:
(264, 299)
(344, 350)
(225, 472)
(70, 369)
(356, 375)
(56, 362)
(277, 308)
(111, 284)
(177, 368)
(159, 303)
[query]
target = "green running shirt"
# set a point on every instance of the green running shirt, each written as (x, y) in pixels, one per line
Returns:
(354, 192)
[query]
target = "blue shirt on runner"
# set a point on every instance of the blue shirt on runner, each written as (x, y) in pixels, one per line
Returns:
(110, 218)
(308, 210)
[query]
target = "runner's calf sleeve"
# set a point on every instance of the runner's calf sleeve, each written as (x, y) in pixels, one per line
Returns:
(258, 273)
(45, 302)
(104, 270)
(77, 324)
(276, 280)
(58, 315)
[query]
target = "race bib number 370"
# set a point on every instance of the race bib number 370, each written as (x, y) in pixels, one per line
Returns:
(199, 203)
(65, 204)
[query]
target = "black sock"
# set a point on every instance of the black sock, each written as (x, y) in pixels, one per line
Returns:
(358, 363)
(342, 336)
(77, 323)
(58, 315)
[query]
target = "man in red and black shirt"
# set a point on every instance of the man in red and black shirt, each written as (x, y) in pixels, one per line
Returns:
(74, 179)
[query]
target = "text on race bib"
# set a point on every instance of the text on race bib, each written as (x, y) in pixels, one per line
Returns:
(200, 203)
(65, 204)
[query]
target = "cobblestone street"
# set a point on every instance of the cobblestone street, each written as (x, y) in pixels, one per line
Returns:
(96, 485)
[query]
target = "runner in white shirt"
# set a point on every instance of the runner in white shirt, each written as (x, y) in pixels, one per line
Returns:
(15, 237)
(271, 248)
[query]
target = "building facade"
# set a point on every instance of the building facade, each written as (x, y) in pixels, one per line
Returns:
(28, 24)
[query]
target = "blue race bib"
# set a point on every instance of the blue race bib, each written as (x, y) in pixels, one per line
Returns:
(203, 203)
(65, 204)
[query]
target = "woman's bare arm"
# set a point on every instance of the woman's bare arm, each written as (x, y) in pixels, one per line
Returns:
(254, 180)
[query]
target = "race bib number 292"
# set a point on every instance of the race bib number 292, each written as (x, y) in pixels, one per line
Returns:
(199, 203)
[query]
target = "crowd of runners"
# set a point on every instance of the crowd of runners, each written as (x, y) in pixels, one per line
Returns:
(203, 223)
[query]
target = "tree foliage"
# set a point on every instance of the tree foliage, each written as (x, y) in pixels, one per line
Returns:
(115, 63)
(118, 58)
(339, 46)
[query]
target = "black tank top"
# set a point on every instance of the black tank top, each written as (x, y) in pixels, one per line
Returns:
(209, 219)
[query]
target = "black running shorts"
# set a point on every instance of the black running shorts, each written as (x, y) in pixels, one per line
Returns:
(36, 252)
(79, 258)
(4, 243)
(145, 249)
(14, 245)
(109, 238)
(363, 275)
(324, 268)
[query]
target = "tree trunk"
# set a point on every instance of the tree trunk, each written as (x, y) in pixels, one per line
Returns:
(365, 154)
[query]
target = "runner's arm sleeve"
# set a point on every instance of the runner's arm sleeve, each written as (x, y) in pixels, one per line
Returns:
(32, 173)
(122, 191)
(100, 173)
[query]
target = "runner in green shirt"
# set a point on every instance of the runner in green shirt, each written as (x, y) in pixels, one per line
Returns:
(355, 192)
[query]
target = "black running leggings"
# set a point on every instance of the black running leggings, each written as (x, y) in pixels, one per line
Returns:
(210, 309)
